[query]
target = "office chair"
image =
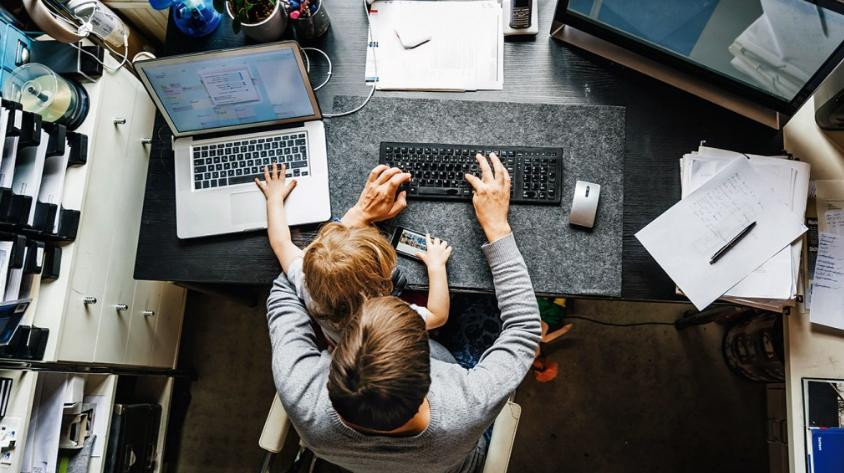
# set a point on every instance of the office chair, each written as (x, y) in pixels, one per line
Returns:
(277, 426)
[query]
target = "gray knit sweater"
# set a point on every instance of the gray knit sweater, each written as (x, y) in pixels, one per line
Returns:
(463, 402)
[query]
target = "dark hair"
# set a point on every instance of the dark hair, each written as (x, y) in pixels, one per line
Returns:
(381, 369)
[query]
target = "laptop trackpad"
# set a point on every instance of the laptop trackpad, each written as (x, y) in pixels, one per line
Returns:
(249, 209)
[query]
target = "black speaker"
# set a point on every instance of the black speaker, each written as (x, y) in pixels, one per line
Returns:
(829, 101)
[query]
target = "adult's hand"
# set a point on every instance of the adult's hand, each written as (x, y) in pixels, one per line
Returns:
(492, 197)
(378, 201)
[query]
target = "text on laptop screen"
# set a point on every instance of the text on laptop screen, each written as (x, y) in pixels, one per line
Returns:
(230, 91)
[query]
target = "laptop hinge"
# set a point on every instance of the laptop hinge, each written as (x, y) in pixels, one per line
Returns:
(246, 131)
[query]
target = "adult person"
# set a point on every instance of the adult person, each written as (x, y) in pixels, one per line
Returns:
(386, 400)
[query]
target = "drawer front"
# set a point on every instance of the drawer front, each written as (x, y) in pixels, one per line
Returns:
(96, 226)
(130, 170)
(144, 318)
(169, 328)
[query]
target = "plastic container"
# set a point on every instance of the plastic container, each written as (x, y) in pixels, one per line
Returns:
(195, 18)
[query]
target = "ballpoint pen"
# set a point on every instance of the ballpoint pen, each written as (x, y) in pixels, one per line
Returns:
(730, 244)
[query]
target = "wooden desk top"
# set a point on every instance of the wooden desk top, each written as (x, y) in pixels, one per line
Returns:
(662, 123)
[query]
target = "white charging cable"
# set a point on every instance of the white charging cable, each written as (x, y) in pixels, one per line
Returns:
(369, 44)
(106, 66)
(308, 65)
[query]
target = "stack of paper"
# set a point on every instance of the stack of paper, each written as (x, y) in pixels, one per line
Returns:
(773, 285)
(724, 192)
(452, 46)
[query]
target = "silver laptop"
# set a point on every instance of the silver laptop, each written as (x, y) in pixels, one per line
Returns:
(233, 112)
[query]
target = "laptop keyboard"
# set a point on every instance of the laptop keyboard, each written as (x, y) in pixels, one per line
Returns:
(241, 161)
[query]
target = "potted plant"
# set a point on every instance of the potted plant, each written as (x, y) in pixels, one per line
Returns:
(261, 20)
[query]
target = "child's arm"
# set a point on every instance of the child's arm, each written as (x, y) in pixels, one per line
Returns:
(276, 189)
(435, 259)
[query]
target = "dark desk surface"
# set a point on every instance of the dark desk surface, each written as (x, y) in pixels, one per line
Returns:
(662, 124)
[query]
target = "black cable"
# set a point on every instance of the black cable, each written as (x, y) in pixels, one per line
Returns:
(614, 324)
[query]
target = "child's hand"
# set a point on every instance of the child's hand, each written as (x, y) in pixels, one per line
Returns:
(275, 186)
(437, 254)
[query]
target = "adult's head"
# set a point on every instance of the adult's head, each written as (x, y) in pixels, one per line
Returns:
(380, 370)
(343, 267)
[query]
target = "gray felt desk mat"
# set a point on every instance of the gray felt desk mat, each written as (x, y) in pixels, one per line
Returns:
(561, 259)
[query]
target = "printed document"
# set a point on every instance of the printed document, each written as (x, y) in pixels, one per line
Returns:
(827, 306)
(465, 50)
(686, 236)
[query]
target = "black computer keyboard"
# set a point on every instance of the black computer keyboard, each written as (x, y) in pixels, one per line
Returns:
(536, 174)
(241, 161)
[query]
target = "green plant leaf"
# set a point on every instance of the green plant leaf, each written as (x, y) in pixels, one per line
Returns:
(236, 25)
(220, 5)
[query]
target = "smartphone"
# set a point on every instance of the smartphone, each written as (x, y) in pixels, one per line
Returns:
(408, 242)
(520, 13)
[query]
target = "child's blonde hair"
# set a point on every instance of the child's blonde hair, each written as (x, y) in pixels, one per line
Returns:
(343, 268)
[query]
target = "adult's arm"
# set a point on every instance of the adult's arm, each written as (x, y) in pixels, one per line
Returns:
(503, 366)
(378, 201)
(295, 354)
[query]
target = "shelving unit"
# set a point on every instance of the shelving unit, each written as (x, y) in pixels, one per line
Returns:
(116, 336)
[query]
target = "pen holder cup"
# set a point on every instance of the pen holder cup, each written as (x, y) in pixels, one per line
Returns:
(306, 28)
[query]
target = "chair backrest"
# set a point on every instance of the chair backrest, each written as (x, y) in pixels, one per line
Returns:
(503, 436)
(497, 460)
(275, 429)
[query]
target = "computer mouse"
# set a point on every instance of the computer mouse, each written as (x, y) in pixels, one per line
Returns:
(584, 205)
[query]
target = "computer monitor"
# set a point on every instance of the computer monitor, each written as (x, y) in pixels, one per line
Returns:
(773, 52)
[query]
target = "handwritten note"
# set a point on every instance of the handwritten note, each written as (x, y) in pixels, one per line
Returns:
(684, 238)
(827, 307)
(835, 221)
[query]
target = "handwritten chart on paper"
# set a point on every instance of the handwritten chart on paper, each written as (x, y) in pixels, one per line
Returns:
(684, 238)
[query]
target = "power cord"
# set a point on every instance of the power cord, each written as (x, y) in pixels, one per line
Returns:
(308, 64)
(369, 44)
(106, 66)
(615, 324)
(87, 28)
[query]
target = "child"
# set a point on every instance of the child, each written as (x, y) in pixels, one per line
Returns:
(343, 267)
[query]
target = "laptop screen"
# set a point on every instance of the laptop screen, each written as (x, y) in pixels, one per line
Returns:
(229, 90)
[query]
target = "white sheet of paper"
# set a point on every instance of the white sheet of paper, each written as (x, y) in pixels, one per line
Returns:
(827, 307)
(4, 123)
(52, 182)
(458, 57)
(835, 221)
(28, 171)
(684, 238)
(42, 440)
(7, 165)
(13, 284)
(778, 277)
(5, 256)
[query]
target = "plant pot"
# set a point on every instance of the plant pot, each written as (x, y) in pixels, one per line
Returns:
(306, 28)
(269, 29)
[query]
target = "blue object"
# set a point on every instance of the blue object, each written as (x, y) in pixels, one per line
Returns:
(294, 5)
(15, 48)
(668, 23)
(194, 18)
(160, 4)
(827, 450)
